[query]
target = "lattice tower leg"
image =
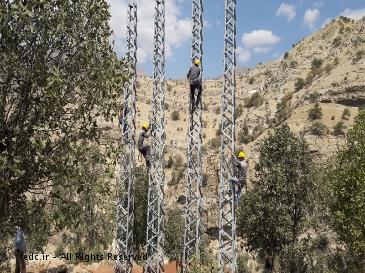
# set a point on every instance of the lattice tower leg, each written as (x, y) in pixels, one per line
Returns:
(227, 213)
(127, 159)
(155, 213)
(193, 206)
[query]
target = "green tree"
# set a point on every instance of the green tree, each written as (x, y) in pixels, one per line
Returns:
(348, 192)
(272, 214)
(174, 234)
(58, 77)
(140, 208)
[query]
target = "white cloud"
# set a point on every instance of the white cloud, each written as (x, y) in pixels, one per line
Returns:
(243, 54)
(261, 50)
(286, 10)
(355, 14)
(178, 29)
(311, 16)
(259, 38)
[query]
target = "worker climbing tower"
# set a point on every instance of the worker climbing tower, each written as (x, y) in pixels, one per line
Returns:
(127, 160)
(227, 213)
(155, 213)
(193, 204)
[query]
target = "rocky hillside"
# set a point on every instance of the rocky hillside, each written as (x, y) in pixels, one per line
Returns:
(327, 67)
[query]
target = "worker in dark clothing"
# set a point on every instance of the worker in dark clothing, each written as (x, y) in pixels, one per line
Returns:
(240, 167)
(19, 251)
(195, 84)
(143, 148)
(122, 115)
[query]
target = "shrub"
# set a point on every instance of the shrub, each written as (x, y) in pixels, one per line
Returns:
(255, 100)
(309, 78)
(313, 97)
(214, 143)
(337, 41)
(359, 56)
(315, 112)
(251, 80)
(167, 106)
(328, 68)
(178, 162)
(338, 129)
(217, 110)
(243, 135)
(346, 114)
(336, 61)
(293, 64)
(286, 55)
(239, 110)
(317, 63)
(299, 84)
(318, 128)
(176, 177)
(169, 163)
(175, 115)
(169, 88)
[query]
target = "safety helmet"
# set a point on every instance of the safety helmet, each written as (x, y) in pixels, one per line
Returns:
(145, 125)
(197, 61)
(241, 154)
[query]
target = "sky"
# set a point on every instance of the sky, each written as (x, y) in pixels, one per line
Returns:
(266, 29)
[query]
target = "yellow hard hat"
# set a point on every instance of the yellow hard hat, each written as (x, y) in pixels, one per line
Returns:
(145, 125)
(197, 61)
(241, 154)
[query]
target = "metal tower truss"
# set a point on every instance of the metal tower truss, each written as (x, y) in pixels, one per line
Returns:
(127, 159)
(193, 205)
(227, 216)
(155, 213)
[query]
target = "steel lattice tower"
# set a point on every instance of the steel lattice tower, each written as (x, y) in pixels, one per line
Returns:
(227, 214)
(127, 160)
(193, 205)
(155, 213)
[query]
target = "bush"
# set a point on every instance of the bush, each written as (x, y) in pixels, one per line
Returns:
(315, 112)
(318, 129)
(217, 110)
(299, 84)
(338, 129)
(167, 106)
(336, 61)
(178, 162)
(293, 64)
(169, 88)
(317, 63)
(251, 80)
(239, 110)
(346, 114)
(255, 100)
(286, 55)
(175, 115)
(337, 41)
(243, 135)
(214, 143)
(169, 163)
(359, 56)
(176, 177)
(328, 68)
(313, 97)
